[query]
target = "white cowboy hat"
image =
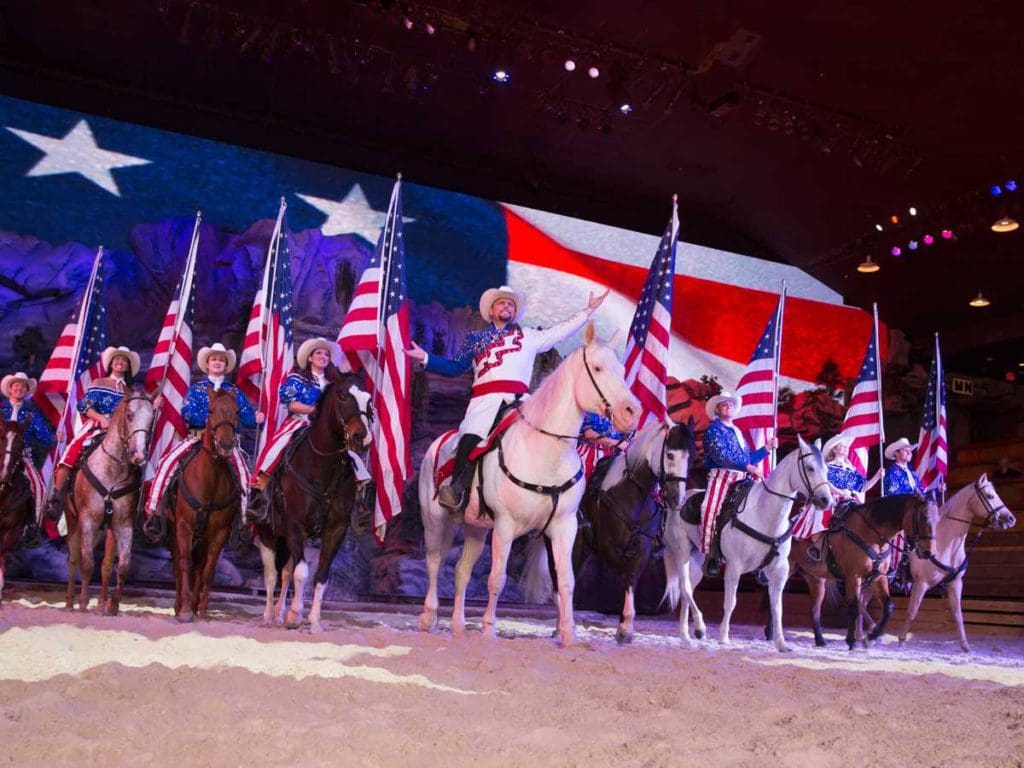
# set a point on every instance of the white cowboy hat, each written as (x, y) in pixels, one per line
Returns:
(491, 295)
(11, 378)
(711, 408)
(204, 357)
(111, 352)
(834, 441)
(890, 450)
(309, 346)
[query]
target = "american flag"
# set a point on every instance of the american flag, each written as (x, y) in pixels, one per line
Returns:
(267, 354)
(375, 336)
(78, 349)
(758, 386)
(863, 421)
(649, 333)
(931, 443)
(170, 371)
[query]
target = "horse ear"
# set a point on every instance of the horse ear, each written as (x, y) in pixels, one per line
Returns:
(589, 334)
(817, 443)
(983, 479)
(801, 442)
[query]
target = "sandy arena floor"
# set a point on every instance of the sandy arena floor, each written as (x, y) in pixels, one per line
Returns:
(142, 690)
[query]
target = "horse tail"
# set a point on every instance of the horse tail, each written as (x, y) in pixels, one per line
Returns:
(672, 593)
(537, 587)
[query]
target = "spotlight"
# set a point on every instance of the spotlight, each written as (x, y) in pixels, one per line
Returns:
(625, 108)
(594, 73)
(928, 239)
(868, 265)
(912, 245)
(429, 28)
(500, 75)
(1010, 186)
(570, 65)
(407, 22)
(1005, 224)
(896, 251)
(894, 219)
(912, 211)
(996, 190)
(979, 301)
(947, 234)
(878, 227)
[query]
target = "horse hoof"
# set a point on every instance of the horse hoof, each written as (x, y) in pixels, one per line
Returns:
(783, 649)
(566, 641)
(965, 647)
(699, 634)
(427, 621)
(315, 628)
(185, 618)
(623, 638)
(820, 642)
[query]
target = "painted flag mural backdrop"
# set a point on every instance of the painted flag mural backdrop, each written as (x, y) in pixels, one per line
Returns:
(863, 420)
(758, 387)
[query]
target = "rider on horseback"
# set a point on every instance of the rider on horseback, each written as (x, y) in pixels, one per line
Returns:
(728, 459)
(598, 438)
(103, 396)
(317, 365)
(502, 357)
(18, 389)
(900, 477)
(216, 362)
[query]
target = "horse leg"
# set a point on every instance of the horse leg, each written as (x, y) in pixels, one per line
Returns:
(881, 590)
(282, 599)
(438, 531)
(183, 531)
(624, 634)
(692, 578)
(330, 545)
(471, 549)
(778, 575)
(214, 546)
(917, 593)
(816, 588)
(732, 582)
(562, 539)
(87, 563)
(269, 578)
(106, 569)
(854, 630)
(123, 536)
(296, 546)
(501, 545)
(74, 543)
(954, 590)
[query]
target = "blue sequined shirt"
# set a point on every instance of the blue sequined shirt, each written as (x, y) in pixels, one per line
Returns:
(723, 450)
(601, 425)
(900, 480)
(297, 388)
(101, 399)
(845, 477)
(197, 404)
(38, 433)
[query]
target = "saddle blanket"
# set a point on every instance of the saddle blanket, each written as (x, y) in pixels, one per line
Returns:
(444, 461)
(719, 483)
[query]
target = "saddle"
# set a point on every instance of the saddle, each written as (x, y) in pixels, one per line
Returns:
(505, 418)
(597, 479)
(735, 501)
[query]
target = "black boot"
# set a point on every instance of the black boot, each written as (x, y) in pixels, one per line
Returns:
(366, 496)
(31, 536)
(256, 508)
(454, 496)
(153, 527)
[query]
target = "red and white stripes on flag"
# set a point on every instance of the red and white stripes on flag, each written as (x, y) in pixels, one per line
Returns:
(170, 372)
(863, 421)
(649, 334)
(930, 457)
(375, 336)
(268, 355)
(759, 386)
(73, 365)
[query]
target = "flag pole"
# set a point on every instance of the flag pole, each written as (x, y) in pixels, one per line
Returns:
(269, 282)
(778, 367)
(881, 412)
(385, 279)
(940, 385)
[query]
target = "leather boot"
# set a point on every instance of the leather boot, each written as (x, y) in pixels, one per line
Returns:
(55, 505)
(256, 508)
(31, 536)
(153, 527)
(454, 496)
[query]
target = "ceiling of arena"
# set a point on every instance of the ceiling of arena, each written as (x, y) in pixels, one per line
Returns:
(786, 134)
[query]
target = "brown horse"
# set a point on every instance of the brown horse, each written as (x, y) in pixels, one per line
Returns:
(16, 504)
(204, 503)
(312, 494)
(625, 517)
(857, 548)
(105, 493)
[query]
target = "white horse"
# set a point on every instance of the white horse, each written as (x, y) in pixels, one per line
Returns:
(976, 504)
(536, 456)
(757, 538)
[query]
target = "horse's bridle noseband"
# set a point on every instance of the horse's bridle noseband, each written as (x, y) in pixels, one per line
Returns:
(597, 388)
(803, 477)
(126, 438)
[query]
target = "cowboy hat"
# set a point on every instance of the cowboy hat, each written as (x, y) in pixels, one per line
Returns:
(890, 450)
(834, 441)
(11, 378)
(309, 346)
(111, 352)
(711, 408)
(218, 348)
(491, 295)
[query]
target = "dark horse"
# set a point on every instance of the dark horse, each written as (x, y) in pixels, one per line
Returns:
(202, 508)
(625, 517)
(16, 502)
(857, 547)
(312, 494)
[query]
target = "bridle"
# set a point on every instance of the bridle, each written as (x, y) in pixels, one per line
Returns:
(804, 477)
(345, 433)
(13, 451)
(597, 388)
(992, 511)
(127, 436)
(916, 537)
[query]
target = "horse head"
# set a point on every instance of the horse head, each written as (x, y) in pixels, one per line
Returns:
(222, 423)
(987, 505)
(808, 475)
(920, 519)
(12, 443)
(673, 465)
(133, 425)
(349, 412)
(604, 389)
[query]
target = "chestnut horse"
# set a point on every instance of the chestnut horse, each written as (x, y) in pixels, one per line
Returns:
(625, 517)
(205, 501)
(857, 548)
(976, 504)
(312, 494)
(105, 492)
(17, 506)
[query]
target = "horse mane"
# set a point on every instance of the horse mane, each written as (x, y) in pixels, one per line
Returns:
(957, 499)
(641, 448)
(545, 399)
(890, 509)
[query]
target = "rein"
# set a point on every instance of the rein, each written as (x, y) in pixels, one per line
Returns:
(554, 491)
(952, 572)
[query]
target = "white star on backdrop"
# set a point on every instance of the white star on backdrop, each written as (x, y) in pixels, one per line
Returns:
(351, 216)
(77, 152)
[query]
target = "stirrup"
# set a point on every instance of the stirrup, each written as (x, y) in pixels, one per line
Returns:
(153, 527)
(257, 509)
(450, 499)
(31, 538)
(712, 567)
(55, 506)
